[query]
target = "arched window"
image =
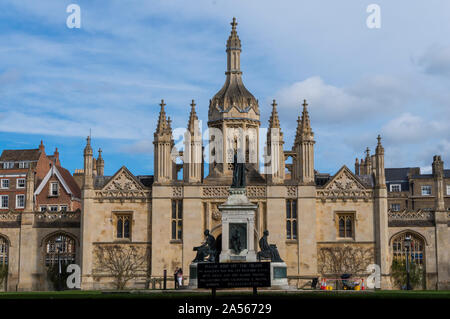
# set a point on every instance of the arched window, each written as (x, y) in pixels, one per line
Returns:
(4, 247)
(417, 251)
(59, 246)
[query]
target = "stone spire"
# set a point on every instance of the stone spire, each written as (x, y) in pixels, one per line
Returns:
(88, 165)
(304, 131)
(100, 163)
(380, 178)
(163, 143)
(162, 120)
(274, 121)
(233, 92)
(304, 149)
(233, 51)
(29, 204)
(192, 155)
(275, 165)
(192, 118)
(380, 148)
(306, 124)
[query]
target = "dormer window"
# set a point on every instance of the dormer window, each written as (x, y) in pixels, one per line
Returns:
(54, 189)
(396, 188)
(24, 164)
(7, 165)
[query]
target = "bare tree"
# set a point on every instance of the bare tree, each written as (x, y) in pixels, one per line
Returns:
(336, 260)
(122, 262)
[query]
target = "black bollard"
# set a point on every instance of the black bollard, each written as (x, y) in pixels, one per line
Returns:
(213, 293)
(255, 291)
(165, 280)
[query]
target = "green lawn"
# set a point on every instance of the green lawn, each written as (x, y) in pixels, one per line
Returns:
(171, 294)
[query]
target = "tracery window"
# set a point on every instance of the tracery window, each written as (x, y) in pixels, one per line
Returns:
(417, 249)
(291, 219)
(59, 246)
(4, 248)
(177, 219)
(123, 226)
(346, 226)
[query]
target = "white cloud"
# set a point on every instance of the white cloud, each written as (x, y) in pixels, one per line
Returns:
(436, 60)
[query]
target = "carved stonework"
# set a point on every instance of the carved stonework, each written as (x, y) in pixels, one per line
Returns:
(344, 186)
(216, 191)
(10, 216)
(123, 187)
(291, 191)
(224, 191)
(177, 192)
(216, 215)
(344, 182)
(256, 191)
(51, 216)
(410, 218)
(122, 182)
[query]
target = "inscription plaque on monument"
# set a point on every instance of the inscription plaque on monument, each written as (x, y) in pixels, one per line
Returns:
(233, 275)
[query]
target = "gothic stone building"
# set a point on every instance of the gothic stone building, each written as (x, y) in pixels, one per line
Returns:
(307, 213)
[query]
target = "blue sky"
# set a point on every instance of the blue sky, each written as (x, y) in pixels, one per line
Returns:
(58, 83)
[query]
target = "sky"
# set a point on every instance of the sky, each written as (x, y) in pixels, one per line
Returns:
(58, 84)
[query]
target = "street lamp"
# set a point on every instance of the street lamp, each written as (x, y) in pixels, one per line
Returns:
(407, 243)
(58, 242)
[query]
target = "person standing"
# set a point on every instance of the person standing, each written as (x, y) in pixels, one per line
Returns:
(175, 277)
(180, 278)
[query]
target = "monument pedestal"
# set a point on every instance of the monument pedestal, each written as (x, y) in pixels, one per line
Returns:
(278, 275)
(238, 228)
(193, 283)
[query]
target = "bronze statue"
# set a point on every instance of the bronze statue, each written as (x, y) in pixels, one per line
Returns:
(268, 251)
(206, 249)
(238, 174)
(236, 241)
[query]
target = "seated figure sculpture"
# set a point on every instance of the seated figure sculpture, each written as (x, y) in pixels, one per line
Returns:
(268, 251)
(206, 249)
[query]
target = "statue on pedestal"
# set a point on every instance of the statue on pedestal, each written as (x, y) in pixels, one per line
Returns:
(238, 174)
(268, 251)
(208, 248)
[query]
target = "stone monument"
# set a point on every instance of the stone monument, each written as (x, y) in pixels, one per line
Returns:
(238, 233)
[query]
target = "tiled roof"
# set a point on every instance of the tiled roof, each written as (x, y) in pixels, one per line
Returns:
(20, 155)
(100, 181)
(146, 180)
(70, 181)
(396, 174)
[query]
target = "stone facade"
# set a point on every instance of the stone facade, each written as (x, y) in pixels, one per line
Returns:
(306, 212)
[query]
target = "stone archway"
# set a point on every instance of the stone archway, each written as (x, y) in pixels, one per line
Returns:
(4, 258)
(416, 252)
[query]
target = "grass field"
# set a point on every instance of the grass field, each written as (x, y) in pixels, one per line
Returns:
(171, 294)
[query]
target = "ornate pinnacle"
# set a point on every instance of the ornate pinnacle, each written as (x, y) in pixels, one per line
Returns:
(274, 121)
(233, 24)
(192, 118)
(162, 122)
(379, 149)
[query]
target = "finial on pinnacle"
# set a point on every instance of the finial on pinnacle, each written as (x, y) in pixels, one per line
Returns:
(379, 139)
(233, 24)
(274, 103)
(193, 103)
(162, 104)
(304, 103)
